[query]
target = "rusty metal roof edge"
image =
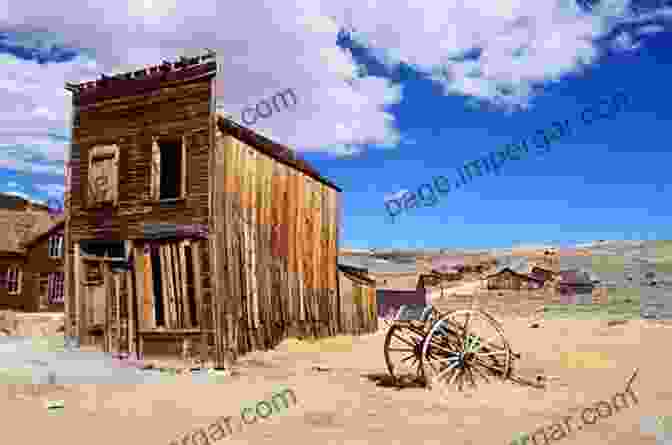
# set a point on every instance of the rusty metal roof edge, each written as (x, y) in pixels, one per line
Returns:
(232, 128)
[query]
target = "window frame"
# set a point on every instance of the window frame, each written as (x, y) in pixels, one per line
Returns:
(18, 279)
(56, 240)
(56, 285)
(155, 170)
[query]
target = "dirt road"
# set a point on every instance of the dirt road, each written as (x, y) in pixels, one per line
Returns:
(342, 397)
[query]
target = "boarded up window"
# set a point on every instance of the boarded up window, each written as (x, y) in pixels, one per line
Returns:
(13, 280)
(103, 178)
(55, 287)
(169, 170)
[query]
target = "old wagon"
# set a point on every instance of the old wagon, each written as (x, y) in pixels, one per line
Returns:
(458, 347)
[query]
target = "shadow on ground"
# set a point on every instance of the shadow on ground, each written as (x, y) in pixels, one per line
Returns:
(384, 380)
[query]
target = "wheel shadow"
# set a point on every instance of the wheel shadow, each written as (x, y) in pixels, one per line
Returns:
(385, 380)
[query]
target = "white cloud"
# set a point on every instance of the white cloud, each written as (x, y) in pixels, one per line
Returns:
(265, 47)
(19, 194)
(650, 29)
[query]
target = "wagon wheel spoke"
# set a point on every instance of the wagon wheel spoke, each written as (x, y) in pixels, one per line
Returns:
(449, 351)
(488, 343)
(449, 359)
(465, 330)
(407, 357)
(404, 341)
(457, 343)
(477, 370)
(454, 376)
(402, 349)
(490, 354)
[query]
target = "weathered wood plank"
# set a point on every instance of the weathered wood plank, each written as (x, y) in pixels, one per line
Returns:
(185, 293)
(77, 264)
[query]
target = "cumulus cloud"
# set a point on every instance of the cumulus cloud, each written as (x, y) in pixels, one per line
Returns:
(491, 53)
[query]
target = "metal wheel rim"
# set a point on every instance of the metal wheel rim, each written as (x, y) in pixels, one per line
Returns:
(465, 368)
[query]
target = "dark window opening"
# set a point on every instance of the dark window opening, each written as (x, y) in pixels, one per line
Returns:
(158, 288)
(107, 248)
(171, 169)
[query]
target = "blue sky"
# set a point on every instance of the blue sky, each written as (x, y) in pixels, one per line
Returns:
(384, 108)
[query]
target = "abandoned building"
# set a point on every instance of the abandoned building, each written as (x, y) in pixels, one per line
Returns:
(44, 275)
(578, 286)
(30, 272)
(358, 286)
(180, 223)
(513, 276)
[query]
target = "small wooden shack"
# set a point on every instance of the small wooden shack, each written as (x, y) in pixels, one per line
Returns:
(507, 278)
(543, 273)
(577, 286)
(357, 289)
(182, 223)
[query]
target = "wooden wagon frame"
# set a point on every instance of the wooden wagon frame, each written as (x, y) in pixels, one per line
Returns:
(446, 351)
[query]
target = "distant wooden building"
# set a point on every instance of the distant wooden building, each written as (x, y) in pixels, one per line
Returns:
(507, 278)
(543, 273)
(357, 289)
(577, 286)
(181, 223)
(44, 277)
(20, 221)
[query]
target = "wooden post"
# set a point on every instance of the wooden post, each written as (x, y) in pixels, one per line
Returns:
(108, 307)
(78, 298)
(181, 247)
(130, 303)
(198, 296)
(67, 280)
(117, 315)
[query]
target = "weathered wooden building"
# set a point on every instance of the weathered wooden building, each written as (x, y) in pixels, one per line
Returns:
(20, 221)
(181, 223)
(507, 278)
(44, 277)
(357, 289)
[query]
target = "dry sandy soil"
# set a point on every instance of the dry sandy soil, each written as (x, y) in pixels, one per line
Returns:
(343, 399)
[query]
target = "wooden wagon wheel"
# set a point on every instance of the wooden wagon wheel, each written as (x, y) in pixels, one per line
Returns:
(403, 346)
(465, 346)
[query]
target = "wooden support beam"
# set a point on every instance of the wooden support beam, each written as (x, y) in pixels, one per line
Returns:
(130, 303)
(167, 288)
(78, 296)
(148, 309)
(198, 296)
(179, 280)
(185, 291)
(117, 308)
(107, 278)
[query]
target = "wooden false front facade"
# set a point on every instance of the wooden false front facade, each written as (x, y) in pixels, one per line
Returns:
(182, 223)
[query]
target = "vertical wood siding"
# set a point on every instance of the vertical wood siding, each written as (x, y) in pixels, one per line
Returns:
(276, 246)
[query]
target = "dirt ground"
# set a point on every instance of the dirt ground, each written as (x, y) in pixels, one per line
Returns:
(343, 397)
